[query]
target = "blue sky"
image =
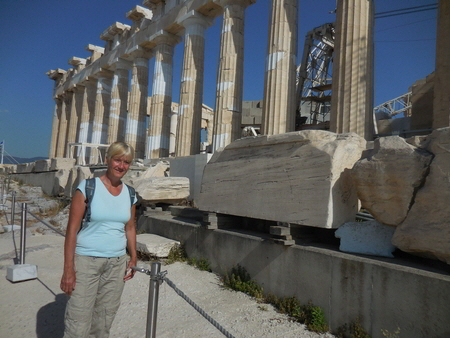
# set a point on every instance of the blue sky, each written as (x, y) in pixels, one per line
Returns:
(36, 36)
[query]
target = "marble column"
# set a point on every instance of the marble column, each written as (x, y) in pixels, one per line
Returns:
(173, 130)
(73, 119)
(191, 89)
(86, 118)
(62, 130)
(55, 128)
(229, 92)
(100, 121)
(137, 110)
(119, 102)
(352, 88)
(279, 83)
(57, 76)
(441, 102)
(161, 107)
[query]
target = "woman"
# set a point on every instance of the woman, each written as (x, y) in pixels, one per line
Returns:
(95, 260)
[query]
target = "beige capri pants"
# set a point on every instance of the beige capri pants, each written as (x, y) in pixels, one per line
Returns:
(92, 307)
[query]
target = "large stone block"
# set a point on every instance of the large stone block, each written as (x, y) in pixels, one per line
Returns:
(163, 189)
(154, 245)
(42, 165)
(386, 180)
(368, 238)
(158, 170)
(60, 181)
(62, 163)
(25, 167)
(297, 177)
(426, 229)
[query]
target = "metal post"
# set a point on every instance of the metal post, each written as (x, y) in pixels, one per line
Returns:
(13, 207)
(2, 201)
(153, 295)
(9, 182)
(23, 233)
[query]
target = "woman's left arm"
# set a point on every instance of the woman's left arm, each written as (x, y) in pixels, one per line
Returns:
(130, 231)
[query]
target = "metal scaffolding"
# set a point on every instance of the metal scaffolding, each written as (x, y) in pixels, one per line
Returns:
(314, 76)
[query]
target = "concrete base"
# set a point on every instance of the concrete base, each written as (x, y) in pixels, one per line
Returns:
(21, 272)
(11, 227)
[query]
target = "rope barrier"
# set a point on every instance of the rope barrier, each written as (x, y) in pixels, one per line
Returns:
(46, 224)
(198, 309)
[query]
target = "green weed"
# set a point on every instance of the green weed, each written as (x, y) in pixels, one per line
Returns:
(352, 330)
(239, 280)
(177, 254)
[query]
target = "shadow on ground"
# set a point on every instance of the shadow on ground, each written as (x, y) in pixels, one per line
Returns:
(50, 318)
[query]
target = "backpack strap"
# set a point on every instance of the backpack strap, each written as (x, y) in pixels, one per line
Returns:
(90, 188)
(132, 192)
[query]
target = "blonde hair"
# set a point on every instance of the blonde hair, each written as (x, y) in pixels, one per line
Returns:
(120, 149)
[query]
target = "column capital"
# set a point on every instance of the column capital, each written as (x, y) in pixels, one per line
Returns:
(138, 13)
(120, 63)
(103, 73)
(78, 63)
(55, 74)
(192, 18)
(137, 52)
(113, 30)
(96, 51)
(163, 37)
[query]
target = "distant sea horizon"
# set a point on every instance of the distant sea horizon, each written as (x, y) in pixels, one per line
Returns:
(8, 160)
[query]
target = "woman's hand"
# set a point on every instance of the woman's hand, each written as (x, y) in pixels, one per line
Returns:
(130, 272)
(68, 281)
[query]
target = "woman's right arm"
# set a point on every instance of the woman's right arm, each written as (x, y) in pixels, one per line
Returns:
(68, 279)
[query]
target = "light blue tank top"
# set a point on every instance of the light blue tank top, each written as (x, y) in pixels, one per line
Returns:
(104, 235)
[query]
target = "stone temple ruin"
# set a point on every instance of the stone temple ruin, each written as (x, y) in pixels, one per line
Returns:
(289, 179)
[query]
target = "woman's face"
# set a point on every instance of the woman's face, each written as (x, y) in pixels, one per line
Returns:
(118, 165)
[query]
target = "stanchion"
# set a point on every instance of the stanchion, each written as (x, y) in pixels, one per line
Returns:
(156, 278)
(13, 207)
(2, 200)
(23, 233)
(21, 272)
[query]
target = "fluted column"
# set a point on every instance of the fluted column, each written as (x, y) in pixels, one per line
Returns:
(227, 122)
(57, 76)
(86, 118)
(352, 88)
(100, 122)
(279, 84)
(173, 130)
(62, 131)
(161, 107)
(119, 102)
(441, 103)
(191, 89)
(137, 111)
(74, 118)
(55, 128)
